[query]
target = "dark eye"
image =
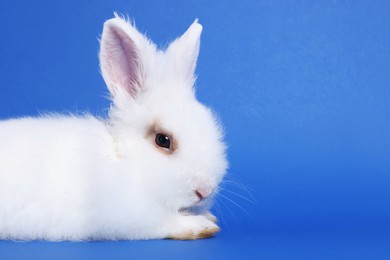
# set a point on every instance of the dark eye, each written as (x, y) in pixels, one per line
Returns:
(163, 141)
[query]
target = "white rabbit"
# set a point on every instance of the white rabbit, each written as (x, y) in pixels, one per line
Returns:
(149, 171)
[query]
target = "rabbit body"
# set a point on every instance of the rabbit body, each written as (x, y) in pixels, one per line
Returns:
(61, 182)
(148, 171)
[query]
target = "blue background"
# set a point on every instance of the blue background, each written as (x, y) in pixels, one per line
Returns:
(301, 86)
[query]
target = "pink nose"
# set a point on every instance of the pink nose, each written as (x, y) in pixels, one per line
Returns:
(203, 193)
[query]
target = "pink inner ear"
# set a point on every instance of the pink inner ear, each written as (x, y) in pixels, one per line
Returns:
(119, 60)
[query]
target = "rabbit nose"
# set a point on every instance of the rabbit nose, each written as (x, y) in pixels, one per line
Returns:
(203, 193)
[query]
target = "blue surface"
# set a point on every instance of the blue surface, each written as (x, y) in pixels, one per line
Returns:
(303, 88)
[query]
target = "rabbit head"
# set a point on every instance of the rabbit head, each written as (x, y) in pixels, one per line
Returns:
(172, 142)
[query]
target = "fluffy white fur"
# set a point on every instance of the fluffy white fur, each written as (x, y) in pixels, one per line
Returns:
(82, 178)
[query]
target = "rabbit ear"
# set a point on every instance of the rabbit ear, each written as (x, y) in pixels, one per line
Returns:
(120, 56)
(185, 49)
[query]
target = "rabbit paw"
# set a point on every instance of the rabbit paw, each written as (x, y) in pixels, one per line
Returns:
(211, 217)
(194, 227)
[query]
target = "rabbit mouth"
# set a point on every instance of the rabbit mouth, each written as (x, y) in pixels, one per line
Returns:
(189, 208)
(196, 209)
(195, 206)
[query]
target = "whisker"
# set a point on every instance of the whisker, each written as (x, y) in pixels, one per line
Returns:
(219, 211)
(232, 201)
(228, 208)
(239, 195)
(238, 184)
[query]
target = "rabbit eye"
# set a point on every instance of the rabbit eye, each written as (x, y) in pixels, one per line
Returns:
(163, 141)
